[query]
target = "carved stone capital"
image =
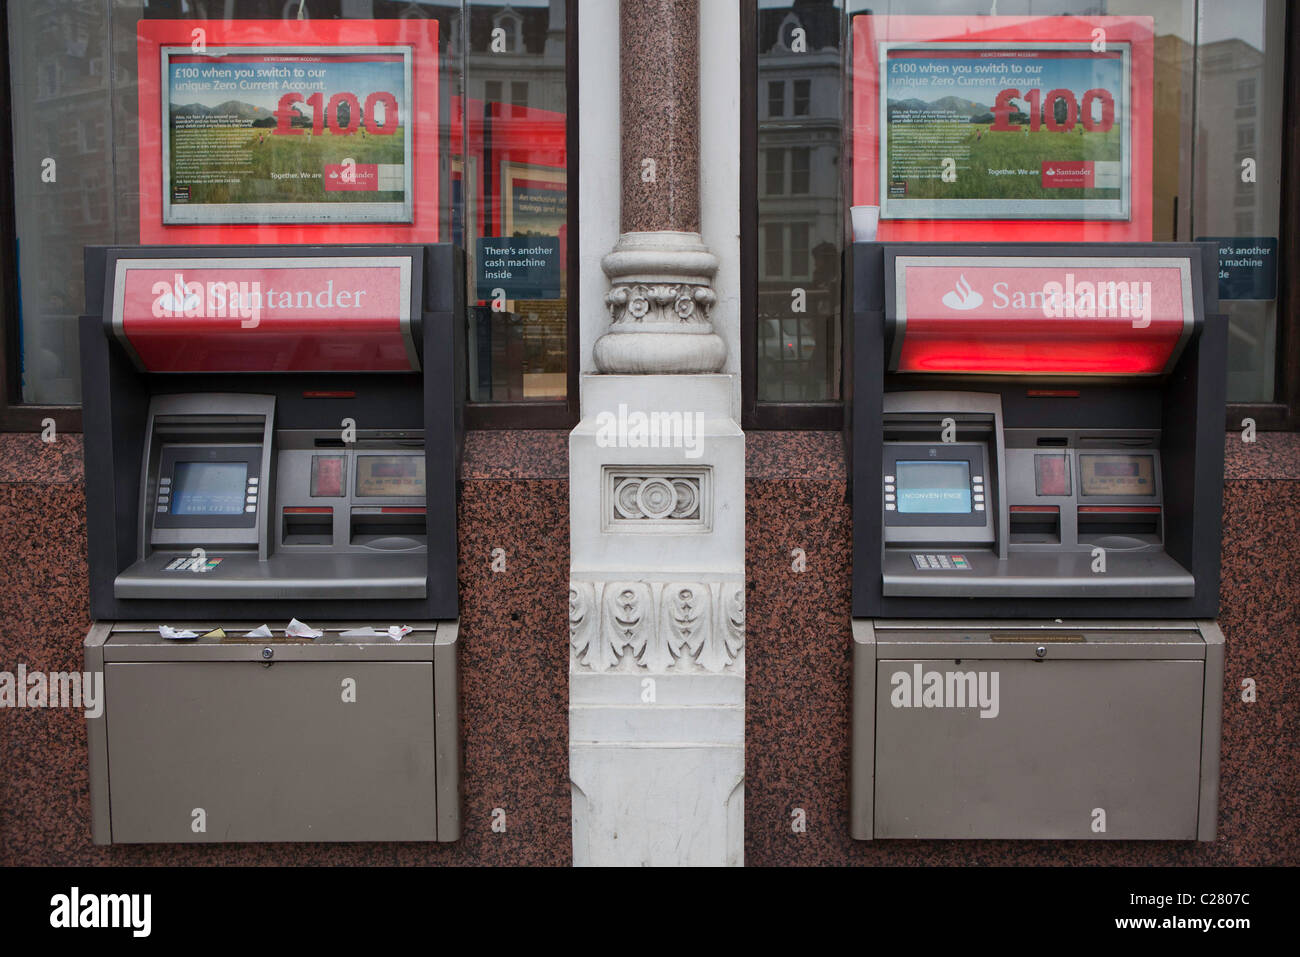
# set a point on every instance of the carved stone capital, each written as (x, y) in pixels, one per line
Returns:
(682, 307)
(659, 302)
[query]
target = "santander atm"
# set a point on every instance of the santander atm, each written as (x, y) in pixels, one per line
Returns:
(1037, 447)
(272, 442)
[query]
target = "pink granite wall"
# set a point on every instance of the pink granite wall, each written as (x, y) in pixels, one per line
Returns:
(514, 665)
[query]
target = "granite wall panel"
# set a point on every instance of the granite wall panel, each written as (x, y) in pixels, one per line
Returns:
(513, 660)
(798, 654)
(514, 665)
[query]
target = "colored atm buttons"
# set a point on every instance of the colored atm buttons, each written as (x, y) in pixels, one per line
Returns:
(925, 561)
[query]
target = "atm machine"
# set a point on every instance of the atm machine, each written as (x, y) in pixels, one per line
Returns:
(1037, 454)
(272, 438)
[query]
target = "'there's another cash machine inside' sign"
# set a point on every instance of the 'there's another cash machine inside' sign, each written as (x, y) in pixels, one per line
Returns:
(1037, 471)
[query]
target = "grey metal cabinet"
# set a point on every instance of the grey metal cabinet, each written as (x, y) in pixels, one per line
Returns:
(273, 740)
(1017, 730)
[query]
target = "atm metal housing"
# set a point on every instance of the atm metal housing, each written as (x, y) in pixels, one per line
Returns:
(234, 739)
(1109, 684)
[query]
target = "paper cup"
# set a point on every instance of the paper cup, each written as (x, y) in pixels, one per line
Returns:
(866, 219)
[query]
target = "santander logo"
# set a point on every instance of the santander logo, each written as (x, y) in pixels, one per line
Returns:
(1074, 298)
(962, 296)
(175, 300)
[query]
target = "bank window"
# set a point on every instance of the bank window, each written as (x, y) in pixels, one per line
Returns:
(775, 172)
(797, 216)
(802, 96)
(776, 98)
(774, 248)
(511, 25)
(1218, 84)
(497, 180)
(1246, 96)
(799, 170)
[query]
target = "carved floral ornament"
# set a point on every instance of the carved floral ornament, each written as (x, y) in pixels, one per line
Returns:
(659, 302)
(677, 627)
(656, 497)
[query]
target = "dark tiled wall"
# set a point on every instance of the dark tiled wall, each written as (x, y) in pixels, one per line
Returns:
(514, 664)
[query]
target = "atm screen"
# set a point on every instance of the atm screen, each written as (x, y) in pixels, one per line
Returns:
(1117, 474)
(209, 488)
(399, 475)
(935, 488)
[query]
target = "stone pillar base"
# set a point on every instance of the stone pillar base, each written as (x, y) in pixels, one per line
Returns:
(657, 622)
(658, 782)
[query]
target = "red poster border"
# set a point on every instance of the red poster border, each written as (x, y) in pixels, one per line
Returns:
(1138, 31)
(420, 35)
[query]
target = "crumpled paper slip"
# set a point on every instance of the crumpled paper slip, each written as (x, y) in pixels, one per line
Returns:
(176, 634)
(262, 631)
(215, 633)
(296, 629)
(396, 632)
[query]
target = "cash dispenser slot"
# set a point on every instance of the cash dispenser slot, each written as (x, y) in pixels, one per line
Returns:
(1120, 526)
(1035, 524)
(309, 525)
(391, 528)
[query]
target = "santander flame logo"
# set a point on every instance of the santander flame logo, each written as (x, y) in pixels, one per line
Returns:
(176, 301)
(962, 296)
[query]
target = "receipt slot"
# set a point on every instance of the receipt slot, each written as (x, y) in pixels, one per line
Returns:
(1037, 488)
(273, 433)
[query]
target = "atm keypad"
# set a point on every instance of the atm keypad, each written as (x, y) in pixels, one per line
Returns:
(940, 562)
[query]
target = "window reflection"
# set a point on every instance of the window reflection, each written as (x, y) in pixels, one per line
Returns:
(73, 72)
(1239, 122)
(801, 203)
(511, 172)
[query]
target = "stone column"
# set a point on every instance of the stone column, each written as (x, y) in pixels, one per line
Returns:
(657, 506)
(660, 271)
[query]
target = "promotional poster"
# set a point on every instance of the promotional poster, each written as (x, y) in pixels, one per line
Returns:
(1004, 127)
(305, 135)
(1031, 132)
(289, 131)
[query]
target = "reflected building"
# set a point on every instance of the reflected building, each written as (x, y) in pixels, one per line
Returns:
(800, 201)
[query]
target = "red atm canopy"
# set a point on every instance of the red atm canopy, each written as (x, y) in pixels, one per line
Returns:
(1021, 315)
(285, 314)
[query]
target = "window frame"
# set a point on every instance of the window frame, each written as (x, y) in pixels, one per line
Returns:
(755, 415)
(554, 413)
(15, 415)
(18, 416)
(1283, 413)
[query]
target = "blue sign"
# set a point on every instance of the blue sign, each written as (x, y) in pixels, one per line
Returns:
(523, 267)
(1247, 266)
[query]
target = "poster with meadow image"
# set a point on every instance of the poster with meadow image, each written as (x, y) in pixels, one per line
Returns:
(989, 130)
(302, 135)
